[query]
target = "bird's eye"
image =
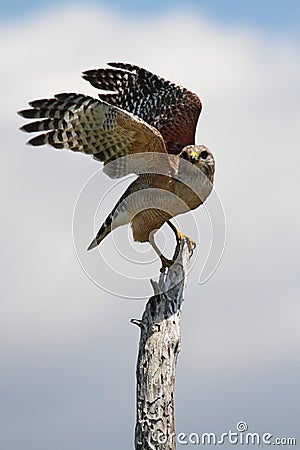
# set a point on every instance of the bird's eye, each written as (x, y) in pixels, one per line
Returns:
(204, 154)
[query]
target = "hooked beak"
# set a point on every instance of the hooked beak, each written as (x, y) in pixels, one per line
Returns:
(194, 157)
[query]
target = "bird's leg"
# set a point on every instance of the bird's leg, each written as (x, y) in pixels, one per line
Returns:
(166, 263)
(179, 237)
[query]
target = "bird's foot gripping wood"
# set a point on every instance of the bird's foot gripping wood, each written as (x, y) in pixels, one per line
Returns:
(183, 237)
(191, 243)
(179, 238)
(167, 263)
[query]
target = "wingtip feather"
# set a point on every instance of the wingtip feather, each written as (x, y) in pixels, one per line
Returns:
(37, 140)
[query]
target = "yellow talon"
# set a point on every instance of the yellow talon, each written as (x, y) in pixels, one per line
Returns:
(179, 235)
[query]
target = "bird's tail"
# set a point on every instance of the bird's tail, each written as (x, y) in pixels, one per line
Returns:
(120, 215)
(102, 233)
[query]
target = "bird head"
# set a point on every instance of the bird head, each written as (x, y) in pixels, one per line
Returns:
(201, 157)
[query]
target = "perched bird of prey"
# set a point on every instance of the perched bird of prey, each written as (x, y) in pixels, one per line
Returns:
(139, 115)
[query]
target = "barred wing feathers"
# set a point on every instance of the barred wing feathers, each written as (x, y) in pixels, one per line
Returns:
(172, 109)
(84, 124)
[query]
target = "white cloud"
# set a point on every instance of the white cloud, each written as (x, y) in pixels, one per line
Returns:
(244, 319)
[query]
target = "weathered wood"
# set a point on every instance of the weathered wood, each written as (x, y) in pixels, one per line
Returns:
(157, 357)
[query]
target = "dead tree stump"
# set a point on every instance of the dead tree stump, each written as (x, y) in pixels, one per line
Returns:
(157, 357)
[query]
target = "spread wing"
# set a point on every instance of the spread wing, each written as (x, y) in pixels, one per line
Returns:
(84, 124)
(172, 109)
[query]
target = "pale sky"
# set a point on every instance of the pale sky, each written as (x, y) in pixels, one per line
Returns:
(68, 351)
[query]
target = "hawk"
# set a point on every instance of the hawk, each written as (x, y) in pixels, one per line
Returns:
(138, 114)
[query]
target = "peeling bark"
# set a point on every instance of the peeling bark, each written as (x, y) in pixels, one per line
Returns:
(157, 357)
